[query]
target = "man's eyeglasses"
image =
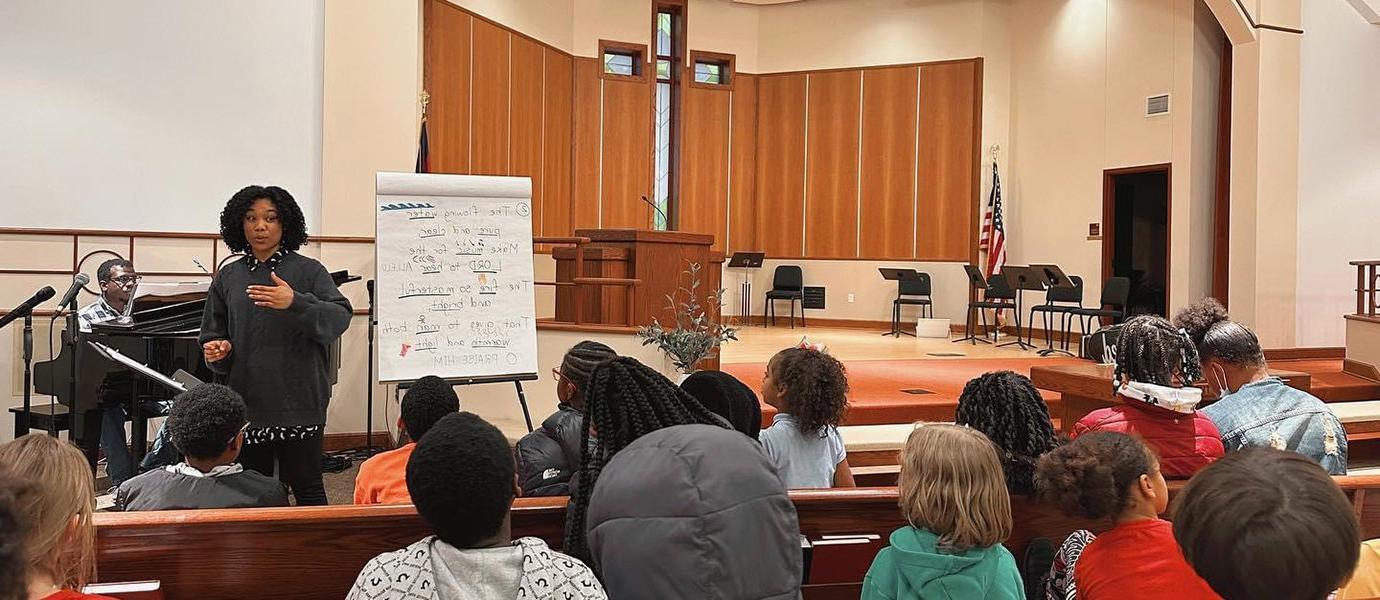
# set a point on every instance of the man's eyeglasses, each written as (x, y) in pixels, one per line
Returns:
(127, 280)
(243, 428)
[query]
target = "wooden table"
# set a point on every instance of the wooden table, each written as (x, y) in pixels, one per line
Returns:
(1086, 387)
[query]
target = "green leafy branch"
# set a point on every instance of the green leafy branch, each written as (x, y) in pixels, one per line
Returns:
(695, 334)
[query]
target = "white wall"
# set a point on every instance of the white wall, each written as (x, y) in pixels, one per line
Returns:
(160, 106)
(1339, 165)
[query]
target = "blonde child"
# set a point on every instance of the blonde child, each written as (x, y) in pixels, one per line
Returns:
(953, 493)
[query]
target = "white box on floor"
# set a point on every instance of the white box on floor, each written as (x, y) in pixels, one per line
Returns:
(932, 328)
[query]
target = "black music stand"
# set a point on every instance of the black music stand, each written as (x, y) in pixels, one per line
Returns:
(747, 261)
(898, 275)
(1022, 279)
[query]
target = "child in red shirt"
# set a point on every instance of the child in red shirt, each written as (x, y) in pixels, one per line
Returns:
(383, 478)
(1112, 475)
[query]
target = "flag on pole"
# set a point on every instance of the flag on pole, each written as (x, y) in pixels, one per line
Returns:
(993, 240)
(423, 153)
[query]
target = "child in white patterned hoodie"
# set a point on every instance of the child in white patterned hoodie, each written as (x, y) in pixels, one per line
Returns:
(462, 480)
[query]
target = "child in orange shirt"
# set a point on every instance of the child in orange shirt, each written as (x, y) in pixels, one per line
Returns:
(383, 478)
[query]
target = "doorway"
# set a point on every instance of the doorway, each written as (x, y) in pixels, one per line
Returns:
(1135, 225)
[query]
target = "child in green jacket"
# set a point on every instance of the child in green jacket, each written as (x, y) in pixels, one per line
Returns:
(954, 495)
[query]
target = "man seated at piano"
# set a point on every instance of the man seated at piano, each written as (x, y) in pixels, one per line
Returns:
(117, 280)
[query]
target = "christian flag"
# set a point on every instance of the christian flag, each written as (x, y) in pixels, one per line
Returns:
(423, 155)
(993, 240)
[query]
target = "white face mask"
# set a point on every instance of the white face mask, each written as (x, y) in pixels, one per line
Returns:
(1181, 400)
(1219, 380)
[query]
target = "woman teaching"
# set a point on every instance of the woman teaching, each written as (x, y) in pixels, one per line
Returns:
(269, 322)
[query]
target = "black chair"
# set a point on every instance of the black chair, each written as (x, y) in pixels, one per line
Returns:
(1066, 294)
(787, 283)
(998, 295)
(1116, 292)
(914, 292)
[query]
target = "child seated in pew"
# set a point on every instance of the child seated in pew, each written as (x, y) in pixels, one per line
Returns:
(50, 486)
(1156, 366)
(547, 458)
(953, 494)
(1254, 408)
(626, 400)
(462, 479)
(694, 511)
(1109, 475)
(1264, 523)
(383, 478)
(726, 396)
(206, 424)
(1006, 407)
(809, 390)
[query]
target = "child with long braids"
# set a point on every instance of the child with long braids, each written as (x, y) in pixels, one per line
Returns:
(625, 400)
(1107, 475)
(809, 390)
(1156, 365)
(1006, 407)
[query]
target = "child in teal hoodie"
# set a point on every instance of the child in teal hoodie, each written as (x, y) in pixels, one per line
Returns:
(954, 495)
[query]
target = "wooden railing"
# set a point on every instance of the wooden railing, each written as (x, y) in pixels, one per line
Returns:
(1365, 286)
(578, 280)
(128, 249)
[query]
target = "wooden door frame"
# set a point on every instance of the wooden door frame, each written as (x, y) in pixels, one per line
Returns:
(1109, 218)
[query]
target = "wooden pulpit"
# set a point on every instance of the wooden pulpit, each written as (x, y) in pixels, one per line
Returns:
(658, 260)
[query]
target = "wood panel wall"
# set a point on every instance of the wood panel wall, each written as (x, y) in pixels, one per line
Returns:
(867, 163)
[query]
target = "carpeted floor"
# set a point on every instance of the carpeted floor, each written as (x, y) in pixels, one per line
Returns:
(878, 387)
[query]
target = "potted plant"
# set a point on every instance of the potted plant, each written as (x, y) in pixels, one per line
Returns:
(695, 335)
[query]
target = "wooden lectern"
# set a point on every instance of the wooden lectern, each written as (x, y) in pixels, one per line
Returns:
(657, 259)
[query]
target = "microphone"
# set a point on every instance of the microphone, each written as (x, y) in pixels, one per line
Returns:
(80, 280)
(657, 209)
(200, 266)
(28, 306)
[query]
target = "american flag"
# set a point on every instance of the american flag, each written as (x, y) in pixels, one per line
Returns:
(423, 151)
(993, 240)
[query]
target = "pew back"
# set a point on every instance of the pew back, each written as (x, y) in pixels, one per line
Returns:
(316, 552)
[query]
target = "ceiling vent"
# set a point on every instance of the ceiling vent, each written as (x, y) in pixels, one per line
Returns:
(1157, 105)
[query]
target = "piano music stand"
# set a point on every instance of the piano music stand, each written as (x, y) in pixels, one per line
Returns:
(747, 261)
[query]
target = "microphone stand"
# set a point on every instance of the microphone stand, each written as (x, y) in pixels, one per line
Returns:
(369, 448)
(28, 374)
(73, 335)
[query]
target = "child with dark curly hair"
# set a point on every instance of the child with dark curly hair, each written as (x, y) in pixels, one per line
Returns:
(383, 478)
(1006, 407)
(206, 424)
(809, 390)
(269, 322)
(1109, 475)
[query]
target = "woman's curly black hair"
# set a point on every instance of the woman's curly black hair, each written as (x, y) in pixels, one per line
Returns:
(1091, 476)
(625, 401)
(1151, 350)
(1010, 411)
(1217, 336)
(814, 387)
(289, 215)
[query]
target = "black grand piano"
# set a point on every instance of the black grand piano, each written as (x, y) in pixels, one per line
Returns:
(162, 334)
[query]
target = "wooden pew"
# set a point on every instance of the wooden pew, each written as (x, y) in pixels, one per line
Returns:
(316, 552)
